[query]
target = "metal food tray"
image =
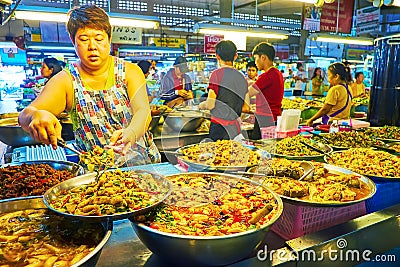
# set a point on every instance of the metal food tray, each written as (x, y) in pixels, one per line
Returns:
(334, 170)
(51, 194)
(58, 165)
(205, 167)
(36, 202)
(381, 143)
(373, 177)
(321, 146)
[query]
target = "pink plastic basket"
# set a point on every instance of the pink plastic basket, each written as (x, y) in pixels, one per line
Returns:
(270, 132)
(298, 220)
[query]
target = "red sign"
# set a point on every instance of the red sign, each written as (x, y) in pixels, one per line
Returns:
(210, 41)
(330, 15)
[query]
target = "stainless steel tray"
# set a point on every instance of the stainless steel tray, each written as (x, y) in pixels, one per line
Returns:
(206, 167)
(335, 170)
(328, 149)
(74, 168)
(373, 177)
(16, 204)
(51, 194)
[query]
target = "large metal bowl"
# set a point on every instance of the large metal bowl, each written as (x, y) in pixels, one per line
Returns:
(13, 135)
(163, 186)
(185, 250)
(184, 122)
(17, 204)
(336, 171)
(72, 167)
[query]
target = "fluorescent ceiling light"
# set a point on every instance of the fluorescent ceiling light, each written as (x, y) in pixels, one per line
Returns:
(50, 48)
(155, 50)
(341, 39)
(129, 20)
(219, 29)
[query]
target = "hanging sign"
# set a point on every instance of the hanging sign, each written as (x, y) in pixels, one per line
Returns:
(330, 16)
(210, 41)
(126, 35)
(367, 20)
(312, 18)
(169, 42)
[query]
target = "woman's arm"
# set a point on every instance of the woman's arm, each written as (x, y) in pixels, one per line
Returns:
(39, 118)
(323, 111)
(122, 140)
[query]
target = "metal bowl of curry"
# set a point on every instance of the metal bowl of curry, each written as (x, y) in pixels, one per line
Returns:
(221, 232)
(36, 236)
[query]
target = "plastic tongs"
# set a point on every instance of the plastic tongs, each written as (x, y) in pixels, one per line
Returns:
(63, 144)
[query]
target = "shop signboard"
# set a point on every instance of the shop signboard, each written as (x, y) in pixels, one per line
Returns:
(126, 35)
(358, 52)
(210, 41)
(330, 15)
(169, 42)
(367, 20)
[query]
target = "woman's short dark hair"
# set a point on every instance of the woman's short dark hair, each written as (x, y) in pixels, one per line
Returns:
(88, 16)
(341, 70)
(54, 64)
(264, 48)
(226, 50)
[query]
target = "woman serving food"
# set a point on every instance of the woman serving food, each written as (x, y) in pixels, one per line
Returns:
(104, 95)
(338, 101)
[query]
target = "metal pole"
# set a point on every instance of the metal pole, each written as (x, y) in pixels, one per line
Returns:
(337, 16)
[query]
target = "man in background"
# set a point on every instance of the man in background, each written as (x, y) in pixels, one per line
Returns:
(176, 86)
(301, 79)
(252, 72)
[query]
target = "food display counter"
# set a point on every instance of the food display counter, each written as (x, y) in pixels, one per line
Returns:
(378, 232)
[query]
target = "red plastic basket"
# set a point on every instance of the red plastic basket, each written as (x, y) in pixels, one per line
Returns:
(298, 220)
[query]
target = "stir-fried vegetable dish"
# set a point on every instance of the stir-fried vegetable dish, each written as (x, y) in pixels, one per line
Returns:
(351, 139)
(114, 192)
(220, 153)
(97, 159)
(243, 208)
(293, 146)
(29, 179)
(368, 162)
(385, 132)
(38, 237)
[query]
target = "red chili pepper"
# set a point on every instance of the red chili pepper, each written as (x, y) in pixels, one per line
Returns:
(65, 201)
(154, 226)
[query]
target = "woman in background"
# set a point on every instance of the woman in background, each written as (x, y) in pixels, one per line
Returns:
(358, 87)
(338, 101)
(317, 81)
(50, 67)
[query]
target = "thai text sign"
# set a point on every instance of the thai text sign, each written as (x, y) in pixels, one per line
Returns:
(210, 41)
(333, 20)
(126, 35)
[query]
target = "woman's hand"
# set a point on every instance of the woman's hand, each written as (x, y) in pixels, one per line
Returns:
(310, 122)
(122, 140)
(45, 128)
